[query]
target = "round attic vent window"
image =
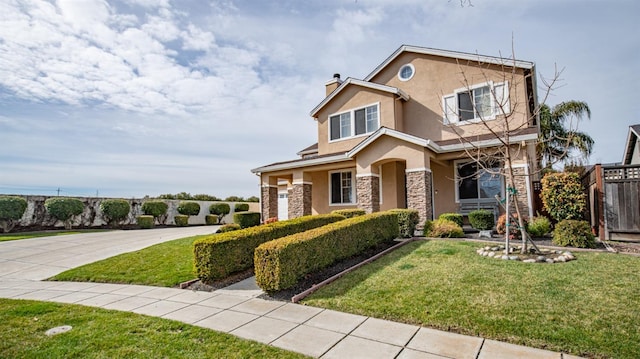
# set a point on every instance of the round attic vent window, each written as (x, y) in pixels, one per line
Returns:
(406, 72)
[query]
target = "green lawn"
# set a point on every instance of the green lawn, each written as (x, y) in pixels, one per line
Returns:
(588, 307)
(99, 333)
(16, 236)
(165, 264)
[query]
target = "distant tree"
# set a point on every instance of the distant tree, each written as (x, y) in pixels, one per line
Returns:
(253, 199)
(234, 199)
(167, 196)
(559, 135)
(205, 197)
(184, 196)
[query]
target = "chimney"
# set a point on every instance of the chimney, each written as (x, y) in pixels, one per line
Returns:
(332, 84)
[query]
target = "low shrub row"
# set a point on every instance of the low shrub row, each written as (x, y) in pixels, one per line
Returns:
(407, 221)
(280, 264)
(349, 213)
(221, 254)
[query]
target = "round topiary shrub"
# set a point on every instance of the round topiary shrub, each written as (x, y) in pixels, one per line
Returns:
(563, 195)
(241, 207)
(211, 219)
(444, 228)
(64, 209)
(454, 217)
(220, 210)
(11, 210)
(189, 208)
(246, 219)
(539, 226)
(115, 210)
(348, 213)
(157, 209)
(145, 221)
(228, 228)
(481, 219)
(513, 225)
(574, 233)
(181, 220)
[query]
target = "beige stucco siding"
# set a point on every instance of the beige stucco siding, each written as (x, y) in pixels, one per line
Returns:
(350, 98)
(393, 186)
(437, 76)
(386, 149)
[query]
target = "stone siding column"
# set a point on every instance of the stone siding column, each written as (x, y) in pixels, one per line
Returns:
(368, 193)
(300, 200)
(522, 186)
(419, 184)
(269, 202)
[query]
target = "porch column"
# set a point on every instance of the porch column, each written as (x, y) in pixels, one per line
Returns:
(419, 185)
(269, 196)
(523, 186)
(368, 192)
(300, 195)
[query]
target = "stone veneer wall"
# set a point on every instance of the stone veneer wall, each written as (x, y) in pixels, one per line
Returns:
(368, 193)
(36, 216)
(419, 194)
(269, 202)
(521, 185)
(300, 200)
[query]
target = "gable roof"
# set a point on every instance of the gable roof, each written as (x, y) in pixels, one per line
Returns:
(451, 54)
(351, 81)
(309, 150)
(632, 138)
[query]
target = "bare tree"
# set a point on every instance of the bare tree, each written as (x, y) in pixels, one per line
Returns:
(510, 116)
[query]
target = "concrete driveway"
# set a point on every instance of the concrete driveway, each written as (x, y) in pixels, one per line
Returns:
(44, 257)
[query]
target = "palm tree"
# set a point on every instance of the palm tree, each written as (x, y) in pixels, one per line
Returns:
(559, 136)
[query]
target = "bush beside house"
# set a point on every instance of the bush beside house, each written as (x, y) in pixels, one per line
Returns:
(11, 210)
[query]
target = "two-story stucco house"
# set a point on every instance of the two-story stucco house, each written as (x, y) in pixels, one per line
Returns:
(397, 138)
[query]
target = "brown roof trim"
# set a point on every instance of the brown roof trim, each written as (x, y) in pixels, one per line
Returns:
(489, 136)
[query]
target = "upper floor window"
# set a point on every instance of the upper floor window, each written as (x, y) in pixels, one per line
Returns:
(356, 122)
(478, 103)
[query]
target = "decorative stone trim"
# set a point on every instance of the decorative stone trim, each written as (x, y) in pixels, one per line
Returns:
(368, 193)
(300, 200)
(269, 202)
(419, 194)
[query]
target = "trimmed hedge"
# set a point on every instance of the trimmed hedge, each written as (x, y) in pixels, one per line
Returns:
(219, 255)
(115, 210)
(157, 209)
(574, 233)
(407, 221)
(11, 210)
(247, 219)
(349, 213)
(189, 208)
(281, 263)
(229, 228)
(211, 219)
(64, 209)
(145, 221)
(181, 220)
(481, 219)
(454, 217)
(241, 207)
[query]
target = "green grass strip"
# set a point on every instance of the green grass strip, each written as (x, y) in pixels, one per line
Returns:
(99, 333)
(588, 307)
(165, 265)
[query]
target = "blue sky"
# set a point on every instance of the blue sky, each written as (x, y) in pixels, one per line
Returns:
(143, 97)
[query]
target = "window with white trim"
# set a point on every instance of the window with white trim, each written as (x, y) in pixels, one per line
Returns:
(341, 187)
(477, 183)
(353, 123)
(479, 102)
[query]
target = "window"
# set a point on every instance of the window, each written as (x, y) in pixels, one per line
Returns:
(366, 120)
(406, 72)
(342, 187)
(474, 184)
(481, 102)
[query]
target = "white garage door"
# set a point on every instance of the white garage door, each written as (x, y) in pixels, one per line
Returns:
(283, 206)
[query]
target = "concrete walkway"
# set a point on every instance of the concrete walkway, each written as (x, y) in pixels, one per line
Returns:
(312, 331)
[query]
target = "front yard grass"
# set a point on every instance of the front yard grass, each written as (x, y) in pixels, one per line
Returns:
(588, 307)
(165, 265)
(99, 333)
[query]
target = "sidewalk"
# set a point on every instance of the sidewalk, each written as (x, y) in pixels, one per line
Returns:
(316, 332)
